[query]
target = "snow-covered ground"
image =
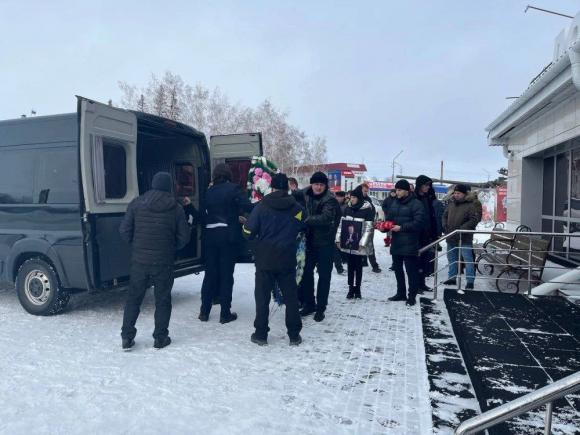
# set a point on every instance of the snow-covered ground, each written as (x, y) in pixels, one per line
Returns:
(360, 371)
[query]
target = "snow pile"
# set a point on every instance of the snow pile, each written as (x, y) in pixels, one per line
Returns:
(362, 370)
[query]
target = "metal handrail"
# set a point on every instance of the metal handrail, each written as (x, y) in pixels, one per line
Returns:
(544, 396)
(490, 232)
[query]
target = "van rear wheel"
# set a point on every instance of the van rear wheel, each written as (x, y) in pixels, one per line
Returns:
(38, 288)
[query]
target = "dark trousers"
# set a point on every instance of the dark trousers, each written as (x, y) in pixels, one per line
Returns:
(411, 263)
(425, 266)
(265, 280)
(355, 270)
(338, 260)
(373, 261)
(320, 258)
(142, 275)
(220, 261)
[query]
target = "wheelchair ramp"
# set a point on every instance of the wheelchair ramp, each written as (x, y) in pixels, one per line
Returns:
(512, 345)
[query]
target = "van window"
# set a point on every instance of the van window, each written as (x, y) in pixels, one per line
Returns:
(57, 176)
(16, 176)
(109, 169)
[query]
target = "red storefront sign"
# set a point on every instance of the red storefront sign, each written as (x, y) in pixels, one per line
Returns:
(348, 174)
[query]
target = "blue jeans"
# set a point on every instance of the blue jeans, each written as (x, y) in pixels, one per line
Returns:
(466, 257)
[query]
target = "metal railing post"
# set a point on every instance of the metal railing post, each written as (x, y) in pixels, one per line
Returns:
(458, 276)
(530, 268)
(435, 275)
(548, 421)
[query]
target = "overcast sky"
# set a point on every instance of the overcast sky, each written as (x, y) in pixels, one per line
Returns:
(374, 78)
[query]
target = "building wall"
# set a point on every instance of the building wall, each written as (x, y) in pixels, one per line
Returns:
(526, 146)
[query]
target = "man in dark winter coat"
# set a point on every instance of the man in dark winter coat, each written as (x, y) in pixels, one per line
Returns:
(225, 202)
(408, 215)
(156, 228)
(322, 221)
(388, 201)
(275, 224)
(462, 213)
(426, 195)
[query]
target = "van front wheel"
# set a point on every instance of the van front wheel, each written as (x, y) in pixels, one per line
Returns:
(38, 288)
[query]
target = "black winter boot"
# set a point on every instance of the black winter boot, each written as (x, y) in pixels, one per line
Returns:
(350, 293)
(357, 292)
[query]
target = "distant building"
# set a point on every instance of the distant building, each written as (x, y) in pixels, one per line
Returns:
(539, 134)
(341, 176)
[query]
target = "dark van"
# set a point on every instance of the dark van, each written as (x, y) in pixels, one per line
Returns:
(66, 181)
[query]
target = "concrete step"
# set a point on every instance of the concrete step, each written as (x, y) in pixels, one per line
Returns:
(572, 294)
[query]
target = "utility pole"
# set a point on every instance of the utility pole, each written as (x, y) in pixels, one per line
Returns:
(393, 165)
(441, 177)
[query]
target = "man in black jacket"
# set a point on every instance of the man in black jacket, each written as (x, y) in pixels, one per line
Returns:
(156, 228)
(322, 221)
(426, 195)
(275, 224)
(408, 215)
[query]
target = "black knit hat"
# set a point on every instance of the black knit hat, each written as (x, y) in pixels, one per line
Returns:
(319, 177)
(461, 188)
(358, 193)
(403, 185)
(162, 181)
(279, 182)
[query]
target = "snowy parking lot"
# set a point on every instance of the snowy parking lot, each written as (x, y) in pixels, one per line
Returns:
(360, 371)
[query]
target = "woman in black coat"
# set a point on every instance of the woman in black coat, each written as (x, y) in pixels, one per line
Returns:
(222, 236)
(354, 244)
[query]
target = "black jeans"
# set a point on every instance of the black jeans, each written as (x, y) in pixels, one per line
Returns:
(142, 275)
(265, 280)
(220, 262)
(321, 258)
(411, 263)
(355, 270)
(425, 265)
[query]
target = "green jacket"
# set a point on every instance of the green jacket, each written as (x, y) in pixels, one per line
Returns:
(464, 215)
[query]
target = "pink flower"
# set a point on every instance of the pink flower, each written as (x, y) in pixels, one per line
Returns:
(258, 172)
(256, 178)
(267, 177)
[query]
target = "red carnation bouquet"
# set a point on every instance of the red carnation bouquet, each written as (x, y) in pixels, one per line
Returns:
(385, 227)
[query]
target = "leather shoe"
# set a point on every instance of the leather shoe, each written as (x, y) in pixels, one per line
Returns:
(295, 341)
(228, 318)
(127, 343)
(160, 343)
(203, 317)
(319, 316)
(397, 298)
(411, 301)
(260, 341)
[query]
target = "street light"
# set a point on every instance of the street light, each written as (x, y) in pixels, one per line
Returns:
(393, 165)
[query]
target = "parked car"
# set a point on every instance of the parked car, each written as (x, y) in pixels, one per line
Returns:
(66, 181)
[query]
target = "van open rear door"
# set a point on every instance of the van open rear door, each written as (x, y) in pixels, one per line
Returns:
(108, 163)
(237, 151)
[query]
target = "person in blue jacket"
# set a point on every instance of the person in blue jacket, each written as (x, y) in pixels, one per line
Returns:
(275, 224)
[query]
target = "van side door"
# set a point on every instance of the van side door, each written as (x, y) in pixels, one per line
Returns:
(108, 165)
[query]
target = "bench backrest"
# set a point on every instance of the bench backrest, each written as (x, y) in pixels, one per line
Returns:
(523, 244)
(499, 240)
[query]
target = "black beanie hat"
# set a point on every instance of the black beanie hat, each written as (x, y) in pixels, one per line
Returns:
(358, 193)
(421, 181)
(279, 182)
(319, 177)
(403, 185)
(162, 181)
(461, 188)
